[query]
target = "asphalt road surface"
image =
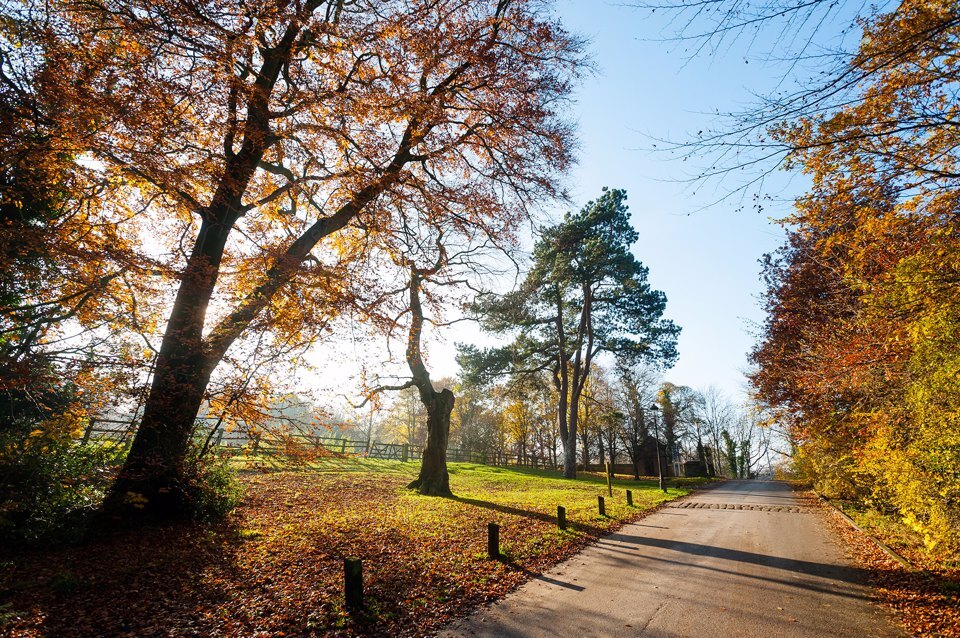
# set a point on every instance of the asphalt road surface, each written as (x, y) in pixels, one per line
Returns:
(741, 559)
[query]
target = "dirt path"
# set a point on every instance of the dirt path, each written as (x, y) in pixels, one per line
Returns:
(744, 559)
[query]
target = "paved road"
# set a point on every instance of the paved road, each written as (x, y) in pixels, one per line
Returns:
(742, 559)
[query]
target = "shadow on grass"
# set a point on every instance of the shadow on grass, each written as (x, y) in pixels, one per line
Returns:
(267, 464)
(590, 530)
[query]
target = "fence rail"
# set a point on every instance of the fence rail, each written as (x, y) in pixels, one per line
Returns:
(305, 446)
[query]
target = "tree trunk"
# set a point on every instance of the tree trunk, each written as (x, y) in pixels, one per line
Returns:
(151, 481)
(570, 458)
(584, 449)
(434, 480)
(568, 433)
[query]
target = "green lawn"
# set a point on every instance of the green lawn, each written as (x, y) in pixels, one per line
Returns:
(275, 567)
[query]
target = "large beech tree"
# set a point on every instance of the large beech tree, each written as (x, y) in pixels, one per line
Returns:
(586, 294)
(277, 140)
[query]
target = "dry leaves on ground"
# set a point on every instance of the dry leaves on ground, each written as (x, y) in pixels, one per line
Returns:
(275, 567)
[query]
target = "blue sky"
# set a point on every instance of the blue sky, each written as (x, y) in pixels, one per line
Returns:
(704, 257)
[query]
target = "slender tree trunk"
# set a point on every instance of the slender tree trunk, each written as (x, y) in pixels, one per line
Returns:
(702, 454)
(434, 480)
(567, 405)
(570, 443)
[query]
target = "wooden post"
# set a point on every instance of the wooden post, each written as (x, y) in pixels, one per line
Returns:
(493, 541)
(561, 517)
(609, 480)
(630, 498)
(88, 431)
(343, 446)
(406, 452)
(603, 511)
(353, 583)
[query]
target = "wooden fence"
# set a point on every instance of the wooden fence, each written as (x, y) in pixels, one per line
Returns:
(306, 446)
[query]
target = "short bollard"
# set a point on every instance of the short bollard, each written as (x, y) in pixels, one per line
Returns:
(493, 541)
(353, 583)
(630, 498)
(561, 517)
(603, 512)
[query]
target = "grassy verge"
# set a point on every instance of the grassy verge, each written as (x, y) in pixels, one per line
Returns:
(275, 566)
(897, 536)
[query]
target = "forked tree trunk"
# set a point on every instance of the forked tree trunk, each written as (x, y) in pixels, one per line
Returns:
(434, 480)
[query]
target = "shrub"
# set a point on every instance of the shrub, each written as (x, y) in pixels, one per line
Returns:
(211, 486)
(49, 486)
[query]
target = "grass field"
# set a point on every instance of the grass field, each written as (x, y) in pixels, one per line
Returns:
(275, 566)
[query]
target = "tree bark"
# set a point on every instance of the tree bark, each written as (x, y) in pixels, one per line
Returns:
(434, 480)
(570, 460)
(152, 480)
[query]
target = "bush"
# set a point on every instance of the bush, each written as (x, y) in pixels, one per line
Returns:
(211, 486)
(50, 486)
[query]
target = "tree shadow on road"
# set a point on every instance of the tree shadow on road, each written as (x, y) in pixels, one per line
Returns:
(847, 574)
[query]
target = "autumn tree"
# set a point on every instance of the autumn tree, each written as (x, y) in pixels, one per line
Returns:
(271, 138)
(857, 351)
(637, 387)
(585, 295)
(474, 423)
(519, 419)
(61, 275)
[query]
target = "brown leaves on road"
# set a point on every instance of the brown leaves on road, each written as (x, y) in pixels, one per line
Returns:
(926, 601)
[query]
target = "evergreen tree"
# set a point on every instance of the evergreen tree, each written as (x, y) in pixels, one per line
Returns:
(585, 295)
